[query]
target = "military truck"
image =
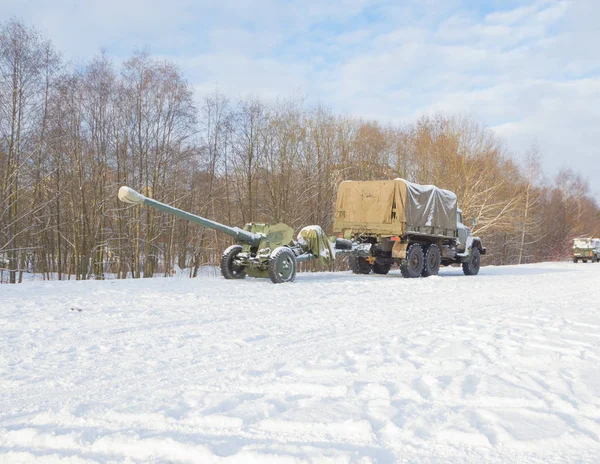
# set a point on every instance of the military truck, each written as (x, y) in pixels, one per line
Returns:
(586, 248)
(419, 227)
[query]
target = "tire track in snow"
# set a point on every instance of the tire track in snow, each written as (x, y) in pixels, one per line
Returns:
(319, 345)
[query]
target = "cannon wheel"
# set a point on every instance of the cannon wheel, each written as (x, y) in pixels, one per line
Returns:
(229, 268)
(282, 266)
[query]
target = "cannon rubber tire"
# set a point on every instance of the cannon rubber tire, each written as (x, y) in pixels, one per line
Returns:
(412, 266)
(381, 268)
(431, 260)
(228, 269)
(471, 267)
(282, 265)
(359, 265)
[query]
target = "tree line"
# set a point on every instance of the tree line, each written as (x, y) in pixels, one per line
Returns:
(69, 138)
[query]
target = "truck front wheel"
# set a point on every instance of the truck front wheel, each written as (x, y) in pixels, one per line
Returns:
(412, 266)
(431, 261)
(471, 267)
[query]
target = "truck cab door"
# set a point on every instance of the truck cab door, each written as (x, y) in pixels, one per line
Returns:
(465, 238)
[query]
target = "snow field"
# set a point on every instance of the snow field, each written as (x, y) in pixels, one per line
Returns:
(501, 367)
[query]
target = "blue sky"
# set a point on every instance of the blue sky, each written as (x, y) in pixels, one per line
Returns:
(530, 70)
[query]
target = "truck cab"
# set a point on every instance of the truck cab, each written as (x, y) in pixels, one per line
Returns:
(585, 249)
(464, 235)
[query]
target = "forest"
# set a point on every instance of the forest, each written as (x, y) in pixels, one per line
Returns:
(70, 136)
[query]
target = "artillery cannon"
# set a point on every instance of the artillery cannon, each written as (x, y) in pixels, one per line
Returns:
(262, 250)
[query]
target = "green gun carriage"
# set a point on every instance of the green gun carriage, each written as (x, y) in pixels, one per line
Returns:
(262, 250)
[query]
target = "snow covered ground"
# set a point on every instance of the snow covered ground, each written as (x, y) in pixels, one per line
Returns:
(501, 367)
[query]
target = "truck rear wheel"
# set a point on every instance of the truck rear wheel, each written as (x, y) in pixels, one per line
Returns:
(229, 268)
(381, 268)
(431, 261)
(359, 265)
(282, 266)
(471, 267)
(412, 266)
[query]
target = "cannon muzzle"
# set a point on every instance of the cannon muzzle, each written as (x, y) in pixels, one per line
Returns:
(128, 195)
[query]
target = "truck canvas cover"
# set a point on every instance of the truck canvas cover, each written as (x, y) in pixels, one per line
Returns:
(586, 243)
(420, 208)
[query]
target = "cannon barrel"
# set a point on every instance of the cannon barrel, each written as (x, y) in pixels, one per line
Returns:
(128, 195)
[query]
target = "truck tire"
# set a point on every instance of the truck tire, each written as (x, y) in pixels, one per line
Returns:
(584, 260)
(431, 261)
(412, 266)
(229, 269)
(359, 265)
(471, 267)
(381, 268)
(282, 265)
(575, 260)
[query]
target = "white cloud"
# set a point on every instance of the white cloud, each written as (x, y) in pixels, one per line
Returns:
(529, 69)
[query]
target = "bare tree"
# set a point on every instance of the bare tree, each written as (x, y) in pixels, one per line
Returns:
(20, 86)
(70, 138)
